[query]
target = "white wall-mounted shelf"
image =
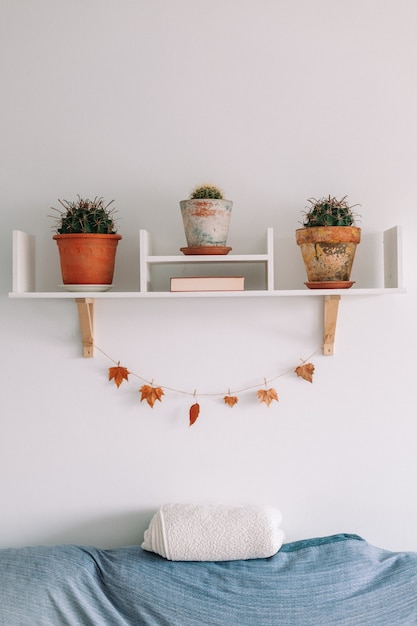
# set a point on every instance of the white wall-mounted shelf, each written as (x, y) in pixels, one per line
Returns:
(24, 282)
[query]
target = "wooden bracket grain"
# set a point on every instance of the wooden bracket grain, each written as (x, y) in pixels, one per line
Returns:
(331, 307)
(86, 315)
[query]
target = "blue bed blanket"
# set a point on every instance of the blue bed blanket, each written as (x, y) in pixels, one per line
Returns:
(332, 580)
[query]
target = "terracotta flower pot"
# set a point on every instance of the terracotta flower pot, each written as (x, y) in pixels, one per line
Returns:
(328, 251)
(87, 259)
(206, 221)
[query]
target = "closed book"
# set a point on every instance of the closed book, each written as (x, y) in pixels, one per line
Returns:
(207, 283)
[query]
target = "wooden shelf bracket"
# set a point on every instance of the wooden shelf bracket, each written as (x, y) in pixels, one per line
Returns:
(86, 315)
(331, 307)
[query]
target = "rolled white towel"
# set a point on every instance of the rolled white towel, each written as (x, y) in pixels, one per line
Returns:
(211, 532)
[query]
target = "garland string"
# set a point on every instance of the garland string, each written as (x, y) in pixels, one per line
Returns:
(216, 394)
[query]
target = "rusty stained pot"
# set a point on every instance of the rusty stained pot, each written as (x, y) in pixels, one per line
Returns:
(206, 221)
(328, 251)
(87, 259)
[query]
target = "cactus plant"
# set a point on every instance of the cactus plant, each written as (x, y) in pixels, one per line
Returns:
(85, 216)
(206, 192)
(329, 211)
(206, 216)
(328, 242)
(87, 241)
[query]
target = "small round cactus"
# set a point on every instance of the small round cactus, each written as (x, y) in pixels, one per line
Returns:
(206, 192)
(329, 211)
(86, 216)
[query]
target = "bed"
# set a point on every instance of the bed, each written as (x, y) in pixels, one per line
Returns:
(339, 579)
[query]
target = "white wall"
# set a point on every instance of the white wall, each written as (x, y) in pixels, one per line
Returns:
(276, 101)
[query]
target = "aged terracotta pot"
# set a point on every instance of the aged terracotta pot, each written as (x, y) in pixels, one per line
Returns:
(328, 251)
(206, 221)
(87, 259)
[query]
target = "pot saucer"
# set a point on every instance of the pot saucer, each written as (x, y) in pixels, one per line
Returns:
(330, 284)
(87, 288)
(206, 250)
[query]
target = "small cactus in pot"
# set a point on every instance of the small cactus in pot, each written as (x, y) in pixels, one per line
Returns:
(206, 217)
(87, 241)
(328, 242)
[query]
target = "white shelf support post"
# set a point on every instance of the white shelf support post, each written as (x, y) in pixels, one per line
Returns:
(270, 281)
(393, 271)
(145, 250)
(23, 262)
(331, 307)
(86, 315)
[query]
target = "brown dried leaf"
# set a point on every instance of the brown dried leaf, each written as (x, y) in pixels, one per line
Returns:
(151, 394)
(306, 371)
(194, 413)
(267, 395)
(230, 400)
(119, 374)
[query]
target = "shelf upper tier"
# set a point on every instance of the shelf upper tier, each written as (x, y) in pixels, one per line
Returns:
(24, 273)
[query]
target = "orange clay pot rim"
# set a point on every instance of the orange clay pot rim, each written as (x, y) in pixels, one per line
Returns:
(328, 234)
(87, 235)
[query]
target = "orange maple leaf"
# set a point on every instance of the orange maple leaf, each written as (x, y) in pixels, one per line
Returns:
(151, 394)
(194, 413)
(230, 400)
(306, 371)
(118, 373)
(267, 395)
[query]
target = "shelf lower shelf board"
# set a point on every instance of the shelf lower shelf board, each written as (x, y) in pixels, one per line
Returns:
(264, 293)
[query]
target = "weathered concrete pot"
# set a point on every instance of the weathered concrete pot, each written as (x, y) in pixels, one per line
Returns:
(206, 221)
(328, 251)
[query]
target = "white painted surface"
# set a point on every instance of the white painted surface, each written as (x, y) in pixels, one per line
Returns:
(110, 98)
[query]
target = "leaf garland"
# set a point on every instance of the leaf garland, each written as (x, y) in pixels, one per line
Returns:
(152, 393)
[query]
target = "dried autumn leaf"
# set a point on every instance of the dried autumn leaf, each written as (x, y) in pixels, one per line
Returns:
(118, 373)
(194, 413)
(306, 371)
(267, 395)
(230, 400)
(151, 394)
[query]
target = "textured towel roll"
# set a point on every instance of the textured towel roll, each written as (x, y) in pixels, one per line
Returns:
(209, 532)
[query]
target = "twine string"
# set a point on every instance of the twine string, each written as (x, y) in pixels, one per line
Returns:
(207, 394)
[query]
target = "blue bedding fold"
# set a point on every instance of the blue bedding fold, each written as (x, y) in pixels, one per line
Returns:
(332, 580)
